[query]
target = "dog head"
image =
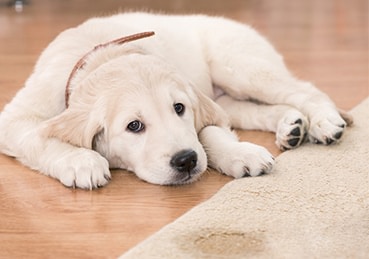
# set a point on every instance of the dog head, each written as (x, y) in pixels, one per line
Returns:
(140, 114)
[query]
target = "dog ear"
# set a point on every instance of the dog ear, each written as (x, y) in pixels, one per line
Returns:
(207, 112)
(75, 126)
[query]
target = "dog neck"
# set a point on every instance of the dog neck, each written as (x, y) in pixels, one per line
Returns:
(82, 61)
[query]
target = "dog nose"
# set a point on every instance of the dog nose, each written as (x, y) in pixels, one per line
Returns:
(184, 161)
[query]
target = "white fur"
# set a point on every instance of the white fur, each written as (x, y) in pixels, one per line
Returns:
(202, 62)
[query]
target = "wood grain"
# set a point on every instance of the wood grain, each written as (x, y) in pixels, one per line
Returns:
(325, 42)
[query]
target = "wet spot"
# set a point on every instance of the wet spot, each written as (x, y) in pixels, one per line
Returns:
(228, 244)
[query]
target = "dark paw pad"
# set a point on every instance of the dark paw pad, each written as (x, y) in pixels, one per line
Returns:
(292, 130)
(298, 121)
(338, 135)
(293, 142)
(296, 132)
(329, 140)
(295, 138)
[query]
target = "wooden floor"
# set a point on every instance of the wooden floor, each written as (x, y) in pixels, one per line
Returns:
(325, 42)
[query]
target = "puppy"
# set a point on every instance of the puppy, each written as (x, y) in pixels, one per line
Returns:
(162, 106)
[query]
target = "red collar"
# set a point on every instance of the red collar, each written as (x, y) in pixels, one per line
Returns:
(82, 61)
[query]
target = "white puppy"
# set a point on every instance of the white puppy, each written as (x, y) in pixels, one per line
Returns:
(162, 106)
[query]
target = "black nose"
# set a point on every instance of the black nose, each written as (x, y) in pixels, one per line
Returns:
(184, 161)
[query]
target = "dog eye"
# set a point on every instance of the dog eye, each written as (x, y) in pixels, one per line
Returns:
(179, 108)
(135, 126)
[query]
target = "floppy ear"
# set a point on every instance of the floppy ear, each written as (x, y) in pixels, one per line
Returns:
(75, 127)
(207, 112)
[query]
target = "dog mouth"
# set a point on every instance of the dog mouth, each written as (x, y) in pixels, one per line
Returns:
(182, 178)
(182, 168)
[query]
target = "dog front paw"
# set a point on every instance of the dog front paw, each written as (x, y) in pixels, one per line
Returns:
(326, 130)
(291, 131)
(245, 159)
(82, 168)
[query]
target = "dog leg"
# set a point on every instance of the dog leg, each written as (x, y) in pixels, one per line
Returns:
(244, 65)
(231, 157)
(289, 124)
(326, 126)
(73, 166)
(266, 83)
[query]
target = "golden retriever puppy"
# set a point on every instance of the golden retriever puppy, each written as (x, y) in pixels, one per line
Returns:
(162, 106)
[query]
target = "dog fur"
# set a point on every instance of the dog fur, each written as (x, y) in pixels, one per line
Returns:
(162, 107)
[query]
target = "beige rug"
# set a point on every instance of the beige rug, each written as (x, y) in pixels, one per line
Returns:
(314, 205)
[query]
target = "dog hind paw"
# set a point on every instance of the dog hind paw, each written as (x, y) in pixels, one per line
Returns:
(328, 130)
(291, 131)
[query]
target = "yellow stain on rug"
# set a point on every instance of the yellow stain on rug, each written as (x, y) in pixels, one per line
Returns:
(221, 243)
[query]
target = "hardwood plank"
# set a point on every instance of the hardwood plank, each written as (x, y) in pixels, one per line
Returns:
(325, 42)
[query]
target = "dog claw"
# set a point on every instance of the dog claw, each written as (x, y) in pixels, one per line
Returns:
(330, 141)
(246, 171)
